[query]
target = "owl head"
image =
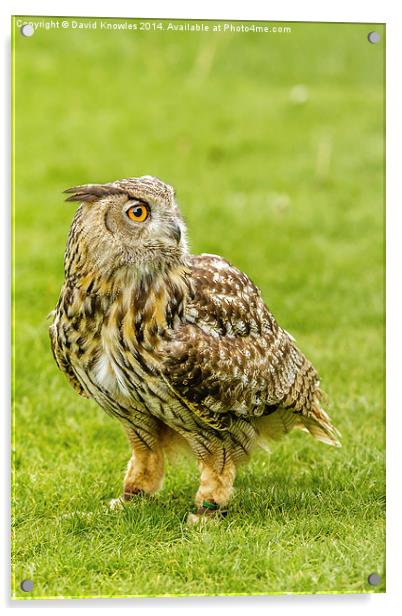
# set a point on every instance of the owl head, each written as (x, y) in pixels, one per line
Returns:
(133, 222)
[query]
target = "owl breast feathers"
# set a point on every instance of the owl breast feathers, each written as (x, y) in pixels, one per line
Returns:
(174, 344)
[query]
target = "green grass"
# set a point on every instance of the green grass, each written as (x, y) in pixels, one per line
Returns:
(290, 192)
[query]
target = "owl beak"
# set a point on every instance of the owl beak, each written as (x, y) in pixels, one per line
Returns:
(176, 233)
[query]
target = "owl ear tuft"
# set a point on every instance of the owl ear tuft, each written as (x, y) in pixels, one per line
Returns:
(90, 192)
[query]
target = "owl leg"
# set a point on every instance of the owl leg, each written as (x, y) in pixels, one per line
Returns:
(144, 473)
(215, 489)
(145, 469)
(218, 466)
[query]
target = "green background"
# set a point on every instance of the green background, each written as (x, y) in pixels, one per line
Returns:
(275, 145)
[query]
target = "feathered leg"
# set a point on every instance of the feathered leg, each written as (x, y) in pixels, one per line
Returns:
(145, 469)
(218, 467)
(215, 485)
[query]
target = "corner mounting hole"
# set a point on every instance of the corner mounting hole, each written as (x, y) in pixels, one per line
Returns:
(373, 37)
(27, 585)
(27, 30)
(374, 579)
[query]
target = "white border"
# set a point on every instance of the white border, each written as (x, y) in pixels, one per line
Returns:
(285, 10)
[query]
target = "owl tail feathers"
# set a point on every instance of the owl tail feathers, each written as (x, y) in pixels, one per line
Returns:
(318, 423)
(274, 426)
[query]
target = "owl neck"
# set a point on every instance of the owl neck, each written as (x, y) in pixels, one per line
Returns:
(142, 303)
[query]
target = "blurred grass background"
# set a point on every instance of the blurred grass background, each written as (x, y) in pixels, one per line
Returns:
(275, 145)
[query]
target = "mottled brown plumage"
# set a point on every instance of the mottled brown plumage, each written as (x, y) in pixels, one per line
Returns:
(177, 347)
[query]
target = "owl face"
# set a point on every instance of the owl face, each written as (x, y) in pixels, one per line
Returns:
(134, 222)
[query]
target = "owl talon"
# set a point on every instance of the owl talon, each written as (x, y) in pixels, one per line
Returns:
(130, 493)
(207, 511)
(200, 520)
(195, 520)
(119, 503)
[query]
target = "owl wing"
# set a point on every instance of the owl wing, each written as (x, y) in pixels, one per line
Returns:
(62, 363)
(230, 355)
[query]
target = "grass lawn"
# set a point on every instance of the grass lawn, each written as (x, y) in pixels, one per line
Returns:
(274, 144)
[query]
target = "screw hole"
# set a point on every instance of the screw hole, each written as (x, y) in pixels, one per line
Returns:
(27, 30)
(373, 37)
(374, 579)
(27, 585)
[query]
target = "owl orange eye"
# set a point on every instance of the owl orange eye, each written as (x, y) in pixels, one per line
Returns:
(138, 213)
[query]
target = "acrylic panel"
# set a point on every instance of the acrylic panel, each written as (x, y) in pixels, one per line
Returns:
(222, 285)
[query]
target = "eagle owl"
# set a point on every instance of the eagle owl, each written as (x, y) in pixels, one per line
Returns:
(178, 347)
